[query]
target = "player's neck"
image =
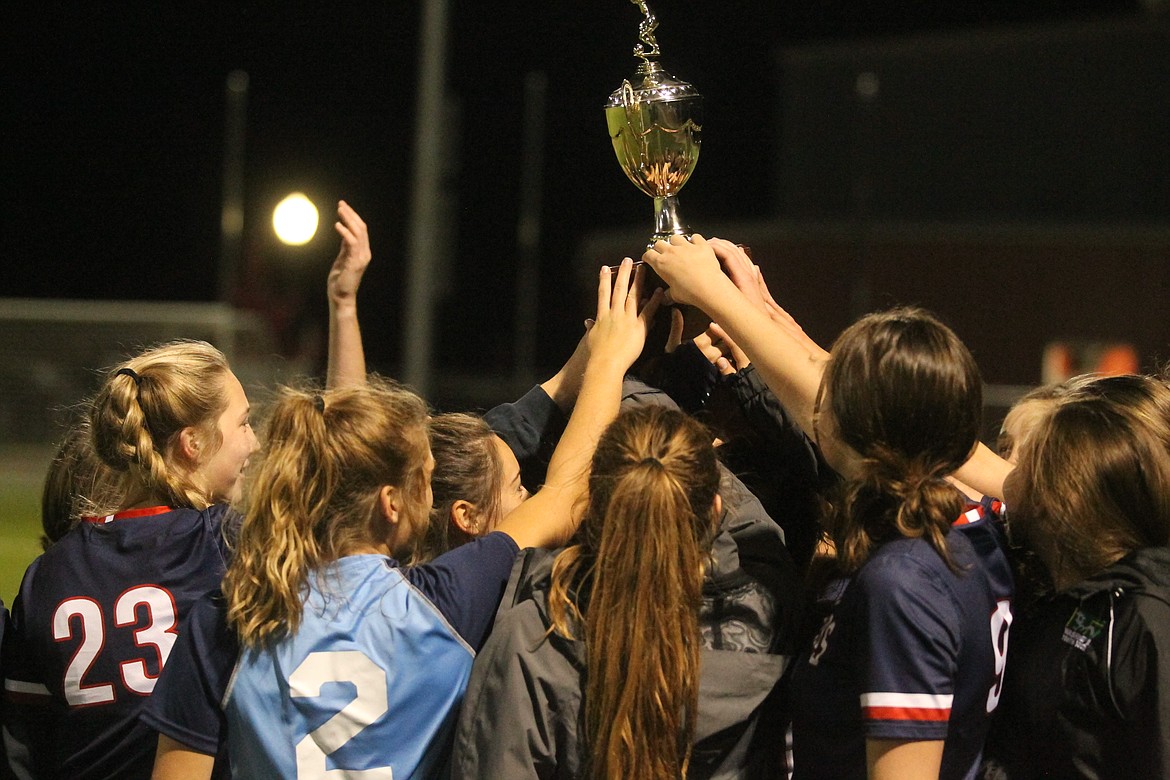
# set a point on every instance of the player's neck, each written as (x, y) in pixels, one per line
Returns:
(146, 500)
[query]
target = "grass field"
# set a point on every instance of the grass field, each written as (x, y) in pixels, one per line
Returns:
(21, 473)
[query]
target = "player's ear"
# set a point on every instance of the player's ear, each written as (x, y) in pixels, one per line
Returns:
(189, 444)
(389, 503)
(465, 515)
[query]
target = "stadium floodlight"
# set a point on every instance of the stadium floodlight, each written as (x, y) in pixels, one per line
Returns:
(295, 219)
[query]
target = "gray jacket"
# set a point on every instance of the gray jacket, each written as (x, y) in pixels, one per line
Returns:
(523, 715)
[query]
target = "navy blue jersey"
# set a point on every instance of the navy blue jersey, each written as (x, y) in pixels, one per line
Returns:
(909, 650)
(383, 654)
(93, 625)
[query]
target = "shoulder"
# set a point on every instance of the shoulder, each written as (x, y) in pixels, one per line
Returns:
(467, 583)
(522, 635)
(1141, 599)
(186, 704)
(906, 563)
(906, 582)
(524, 659)
(486, 559)
(526, 672)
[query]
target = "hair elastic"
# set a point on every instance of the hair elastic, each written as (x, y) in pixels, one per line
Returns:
(319, 402)
(130, 373)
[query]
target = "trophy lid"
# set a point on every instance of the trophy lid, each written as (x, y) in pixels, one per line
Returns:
(656, 86)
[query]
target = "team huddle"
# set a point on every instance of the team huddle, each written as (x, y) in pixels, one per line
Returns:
(740, 555)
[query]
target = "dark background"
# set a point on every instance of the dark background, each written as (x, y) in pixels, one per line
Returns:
(112, 129)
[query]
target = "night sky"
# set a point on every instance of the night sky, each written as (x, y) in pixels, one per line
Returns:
(113, 131)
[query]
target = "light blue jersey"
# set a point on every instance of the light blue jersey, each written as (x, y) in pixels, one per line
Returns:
(367, 689)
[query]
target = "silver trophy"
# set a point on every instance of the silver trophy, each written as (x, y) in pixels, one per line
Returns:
(655, 125)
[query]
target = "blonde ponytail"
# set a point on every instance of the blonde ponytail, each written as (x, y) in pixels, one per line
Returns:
(315, 495)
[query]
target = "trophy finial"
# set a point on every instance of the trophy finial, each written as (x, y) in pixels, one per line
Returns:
(646, 29)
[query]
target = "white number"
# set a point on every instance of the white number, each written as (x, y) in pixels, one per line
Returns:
(371, 703)
(158, 633)
(93, 638)
(1001, 621)
(821, 643)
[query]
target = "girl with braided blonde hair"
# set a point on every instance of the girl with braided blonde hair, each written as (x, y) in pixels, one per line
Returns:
(156, 422)
(98, 613)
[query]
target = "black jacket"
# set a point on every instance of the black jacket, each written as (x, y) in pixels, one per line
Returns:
(1087, 686)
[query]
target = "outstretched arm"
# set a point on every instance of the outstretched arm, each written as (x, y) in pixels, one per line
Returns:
(565, 385)
(789, 361)
(790, 364)
(347, 359)
(613, 343)
(985, 472)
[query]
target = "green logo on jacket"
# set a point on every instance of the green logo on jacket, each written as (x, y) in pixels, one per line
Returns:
(1082, 629)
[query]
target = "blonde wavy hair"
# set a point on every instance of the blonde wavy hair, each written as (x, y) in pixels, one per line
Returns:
(314, 497)
(635, 583)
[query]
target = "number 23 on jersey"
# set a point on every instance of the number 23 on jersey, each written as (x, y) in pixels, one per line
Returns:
(146, 610)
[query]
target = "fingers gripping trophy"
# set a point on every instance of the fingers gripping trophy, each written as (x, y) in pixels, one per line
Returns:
(655, 126)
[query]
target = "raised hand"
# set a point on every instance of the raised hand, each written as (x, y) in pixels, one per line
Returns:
(352, 258)
(612, 344)
(748, 278)
(690, 268)
(623, 320)
(713, 344)
(740, 269)
(564, 386)
(723, 353)
(347, 358)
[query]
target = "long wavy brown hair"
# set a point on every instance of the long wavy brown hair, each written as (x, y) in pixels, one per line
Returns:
(314, 495)
(905, 394)
(634, 581)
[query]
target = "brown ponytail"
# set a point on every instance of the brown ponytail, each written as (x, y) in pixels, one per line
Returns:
(466, 467)
(647, 533)
(906, 396)
(893, 498)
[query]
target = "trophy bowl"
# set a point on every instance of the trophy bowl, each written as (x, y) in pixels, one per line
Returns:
(655, 126)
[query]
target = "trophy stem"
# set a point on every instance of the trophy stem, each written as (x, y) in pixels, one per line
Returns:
(667, 219)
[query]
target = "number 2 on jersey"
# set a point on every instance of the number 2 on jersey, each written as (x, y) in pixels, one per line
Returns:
(371, 702)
